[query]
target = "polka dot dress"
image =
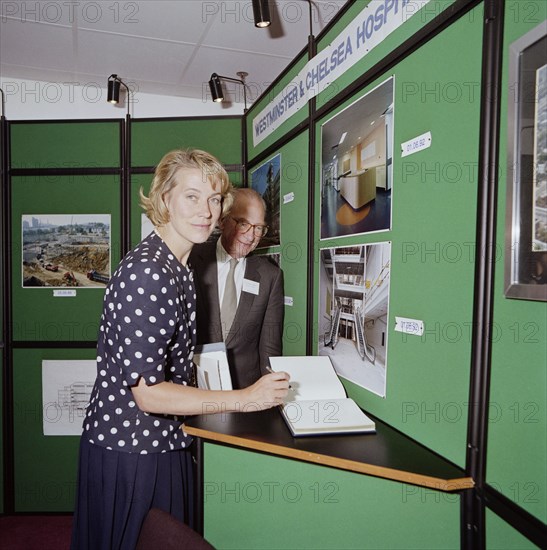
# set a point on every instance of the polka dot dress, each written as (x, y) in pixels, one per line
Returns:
(148, 330)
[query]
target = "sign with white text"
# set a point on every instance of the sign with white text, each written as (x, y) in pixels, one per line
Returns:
(376, 21)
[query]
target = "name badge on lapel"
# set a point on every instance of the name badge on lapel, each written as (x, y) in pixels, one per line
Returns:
(252, 287)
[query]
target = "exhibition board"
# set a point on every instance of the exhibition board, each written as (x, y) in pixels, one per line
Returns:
(219, 135)
(432, 235)
(500, 534)
(518, 386)
(279, 502)
(44, 466)
(291, 253)
(69, 202)
(78, 144)
(66, 200)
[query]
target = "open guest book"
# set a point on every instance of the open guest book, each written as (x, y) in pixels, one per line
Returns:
(317, 402)
(212, 370)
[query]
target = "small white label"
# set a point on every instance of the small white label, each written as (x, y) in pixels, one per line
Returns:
(417, 144)
(252, 287)
(64, 293)
(409, 326)
(289, 197)
(289, 300)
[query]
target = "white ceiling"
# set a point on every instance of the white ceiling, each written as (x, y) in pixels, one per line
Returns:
(166, 47)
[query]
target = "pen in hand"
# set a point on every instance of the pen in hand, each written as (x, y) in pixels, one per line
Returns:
(270, 370)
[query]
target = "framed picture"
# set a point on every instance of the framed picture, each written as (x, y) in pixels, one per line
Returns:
(266, 180)
(65, 250)
(357, 165)
(526, 215)
(354, 283)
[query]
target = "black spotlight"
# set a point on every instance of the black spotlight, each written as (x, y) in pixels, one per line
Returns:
(261, 12)
(113, 95)
(216, 88)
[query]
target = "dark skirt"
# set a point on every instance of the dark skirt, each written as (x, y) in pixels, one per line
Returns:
(116, 490)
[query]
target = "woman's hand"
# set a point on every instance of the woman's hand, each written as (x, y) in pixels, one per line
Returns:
(268, 391)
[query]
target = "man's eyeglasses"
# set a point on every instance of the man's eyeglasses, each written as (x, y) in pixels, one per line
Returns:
(243, 226)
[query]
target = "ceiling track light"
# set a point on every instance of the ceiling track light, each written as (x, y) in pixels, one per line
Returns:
(113, 91)
(217, 93)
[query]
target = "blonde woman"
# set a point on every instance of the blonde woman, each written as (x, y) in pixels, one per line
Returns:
(133, 453)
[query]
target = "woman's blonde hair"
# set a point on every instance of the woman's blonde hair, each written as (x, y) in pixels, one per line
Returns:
(165, 179)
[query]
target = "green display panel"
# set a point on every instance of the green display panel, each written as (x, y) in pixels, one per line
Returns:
(45, 466)
(37, 313)
(517, 447)
(278, 503)
(292, 250)
(144, 181)
(501, 536)
(433, 216)
(151, 139)
(284, 86)
(65, 144)
(373, 22)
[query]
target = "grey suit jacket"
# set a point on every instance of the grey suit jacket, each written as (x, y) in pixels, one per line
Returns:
(257, 330)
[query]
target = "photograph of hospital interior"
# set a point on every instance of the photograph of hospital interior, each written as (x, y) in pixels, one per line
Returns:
(354, 294)
(357, 150)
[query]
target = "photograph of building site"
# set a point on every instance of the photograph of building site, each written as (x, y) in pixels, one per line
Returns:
(65, 250)
(353, 312)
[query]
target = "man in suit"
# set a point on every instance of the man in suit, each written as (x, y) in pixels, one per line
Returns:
(247, 316)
